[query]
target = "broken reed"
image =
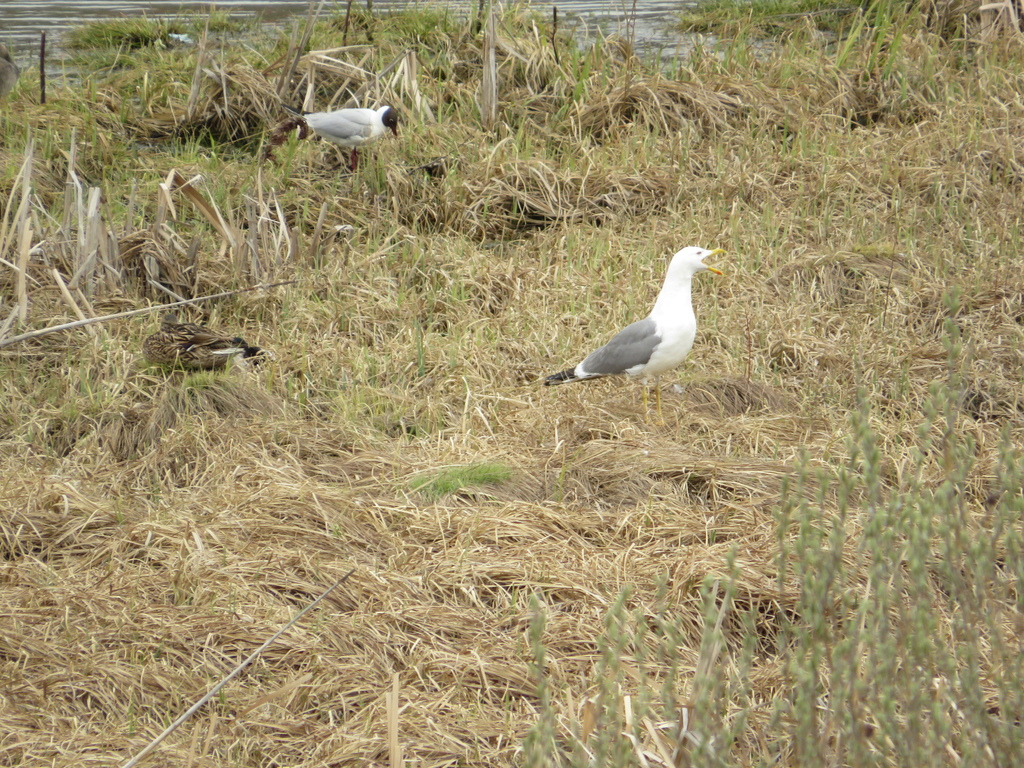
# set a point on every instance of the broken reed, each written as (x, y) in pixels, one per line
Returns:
(99, 264)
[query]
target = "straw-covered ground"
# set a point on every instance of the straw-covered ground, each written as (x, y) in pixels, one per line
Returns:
(817, 558)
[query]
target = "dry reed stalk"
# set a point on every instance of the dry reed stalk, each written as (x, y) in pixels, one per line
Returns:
(73, 190)
(14, 231)
(393, 709)
(310, 89)
(268, 235)
(86, 258)
(248, 258)
(355, 73)
(24, 249)
(356, 98)
(69, 300)
(295, 52)
(411, 86)
(488, 97)
(176, 182)
(285, 238)
(712, 646)
(193, 94)
(326, 62)
(7, 324)
(1000, 19)
(665, 752)
(290, 58)
(315, 241)
(110, 257)
(164, 204)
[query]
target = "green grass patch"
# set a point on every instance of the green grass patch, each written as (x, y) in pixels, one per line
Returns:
(218, 22)
(766, 17)
(125, 33)
(455, 479)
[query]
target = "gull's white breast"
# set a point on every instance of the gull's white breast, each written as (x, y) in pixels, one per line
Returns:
(676, 343)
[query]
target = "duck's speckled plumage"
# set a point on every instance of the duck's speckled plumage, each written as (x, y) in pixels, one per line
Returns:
(195, 347)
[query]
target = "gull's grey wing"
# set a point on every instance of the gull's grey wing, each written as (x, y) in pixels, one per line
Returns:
(631, 346)
(349, 125)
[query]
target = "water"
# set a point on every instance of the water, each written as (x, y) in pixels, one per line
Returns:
(21, 21)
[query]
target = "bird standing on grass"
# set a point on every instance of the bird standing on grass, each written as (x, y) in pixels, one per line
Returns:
(8, 71)
(658, 343)
(350, 128)
(195, 347)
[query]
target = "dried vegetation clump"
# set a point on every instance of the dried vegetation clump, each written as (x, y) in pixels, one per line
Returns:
(814, 560)
(663, 104)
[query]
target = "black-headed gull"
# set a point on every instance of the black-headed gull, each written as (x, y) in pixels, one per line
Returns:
(351, 128)
(658, 343)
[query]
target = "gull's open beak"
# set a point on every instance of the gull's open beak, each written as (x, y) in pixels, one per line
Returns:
(715, 253)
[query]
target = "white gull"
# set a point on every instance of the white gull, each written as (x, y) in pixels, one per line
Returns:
(658, 343)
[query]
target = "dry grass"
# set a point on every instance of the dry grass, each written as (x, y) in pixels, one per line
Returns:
(814, 561)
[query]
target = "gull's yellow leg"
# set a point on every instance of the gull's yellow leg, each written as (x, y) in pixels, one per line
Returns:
(647, 418)
(657, 400)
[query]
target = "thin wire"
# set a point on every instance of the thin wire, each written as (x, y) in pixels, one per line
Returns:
(216, 689)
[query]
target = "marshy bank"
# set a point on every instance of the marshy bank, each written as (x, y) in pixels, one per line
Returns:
(817, 559)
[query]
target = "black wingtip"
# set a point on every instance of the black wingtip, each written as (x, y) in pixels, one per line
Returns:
(253, 355)
(569, 374)
(249, 351)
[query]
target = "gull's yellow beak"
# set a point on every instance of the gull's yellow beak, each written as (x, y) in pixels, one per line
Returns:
(715, 253)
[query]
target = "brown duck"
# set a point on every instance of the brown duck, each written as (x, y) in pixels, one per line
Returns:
(195, 347)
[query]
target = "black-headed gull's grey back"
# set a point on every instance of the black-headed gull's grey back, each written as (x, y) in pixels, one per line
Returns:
(351, 128)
